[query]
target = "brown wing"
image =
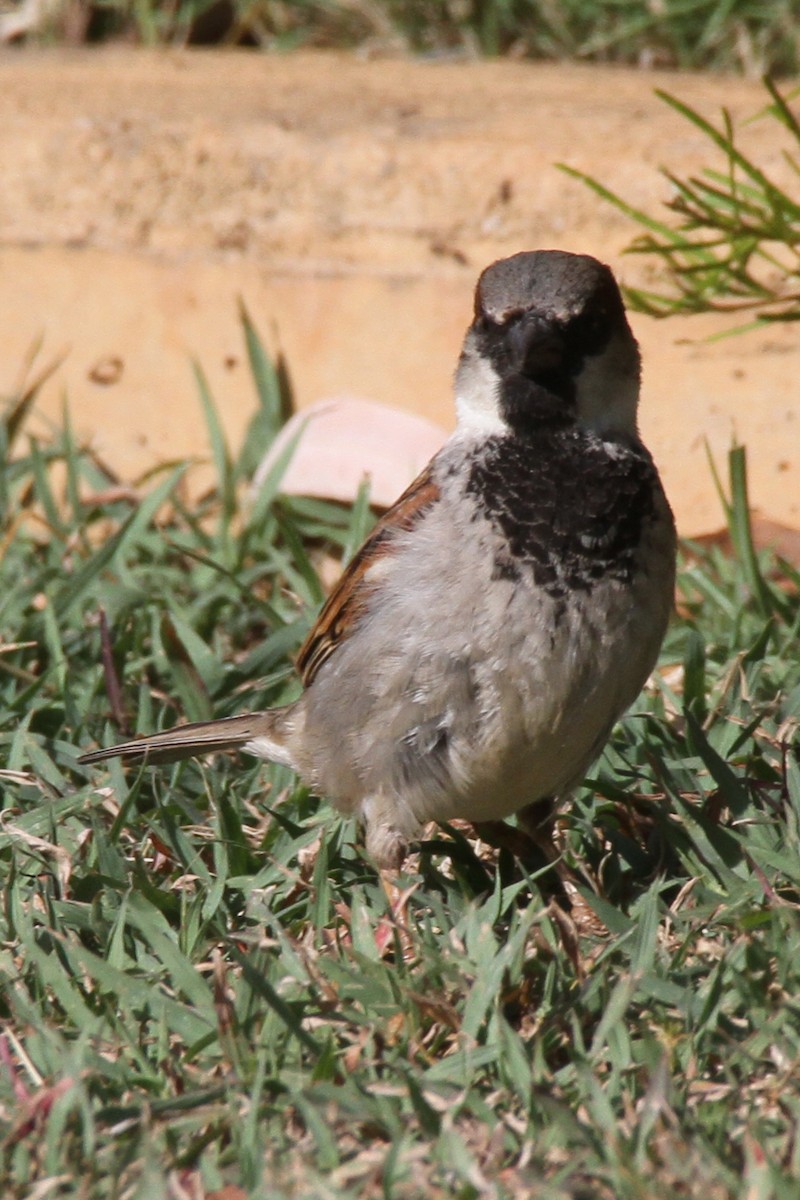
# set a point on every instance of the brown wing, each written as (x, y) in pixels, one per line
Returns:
(348, 600)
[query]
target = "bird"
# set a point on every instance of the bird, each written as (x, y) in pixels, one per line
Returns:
(504, 613)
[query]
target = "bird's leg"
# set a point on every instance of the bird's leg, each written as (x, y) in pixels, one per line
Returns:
(512, 838)
(531, 840)
(538, 821)
(531, 843)
(575, 916)
(387, 846)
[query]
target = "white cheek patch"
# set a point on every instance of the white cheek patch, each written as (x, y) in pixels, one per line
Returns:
(478, 396)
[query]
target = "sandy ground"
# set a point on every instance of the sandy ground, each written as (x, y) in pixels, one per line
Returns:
(351, 203)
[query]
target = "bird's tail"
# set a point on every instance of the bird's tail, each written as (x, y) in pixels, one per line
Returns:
(263, 734)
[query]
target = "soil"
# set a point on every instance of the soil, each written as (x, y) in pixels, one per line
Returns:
(351, 203)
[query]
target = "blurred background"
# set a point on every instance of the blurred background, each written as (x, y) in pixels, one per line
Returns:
(346, 170)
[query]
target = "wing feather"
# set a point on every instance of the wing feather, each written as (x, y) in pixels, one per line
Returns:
(349, 598)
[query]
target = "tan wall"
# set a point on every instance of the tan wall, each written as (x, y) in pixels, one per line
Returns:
(352, 205)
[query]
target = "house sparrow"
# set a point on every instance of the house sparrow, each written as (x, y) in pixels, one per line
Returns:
(498, 620)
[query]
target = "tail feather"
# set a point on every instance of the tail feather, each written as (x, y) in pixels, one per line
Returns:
(262, 734)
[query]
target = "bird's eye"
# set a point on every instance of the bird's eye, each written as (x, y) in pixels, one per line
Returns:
(592, 330)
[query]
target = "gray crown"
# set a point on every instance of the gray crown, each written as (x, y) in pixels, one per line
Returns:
(552, 282)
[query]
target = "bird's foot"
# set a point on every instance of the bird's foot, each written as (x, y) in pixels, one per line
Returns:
(386, 844)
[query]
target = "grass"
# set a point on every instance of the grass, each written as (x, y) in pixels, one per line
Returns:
(202, 986)
(731, 243)
(733, 35)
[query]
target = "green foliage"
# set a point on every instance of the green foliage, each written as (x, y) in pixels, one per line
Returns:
(203, 983)
(734, 245)
(745, 35)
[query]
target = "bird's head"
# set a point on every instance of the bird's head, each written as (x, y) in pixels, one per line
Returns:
(549, 344)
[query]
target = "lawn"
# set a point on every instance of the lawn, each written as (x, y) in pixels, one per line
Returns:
(202, 985)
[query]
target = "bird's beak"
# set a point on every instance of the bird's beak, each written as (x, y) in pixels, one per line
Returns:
(537, 347)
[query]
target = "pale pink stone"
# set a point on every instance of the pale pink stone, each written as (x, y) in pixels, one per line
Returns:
(342, 441)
